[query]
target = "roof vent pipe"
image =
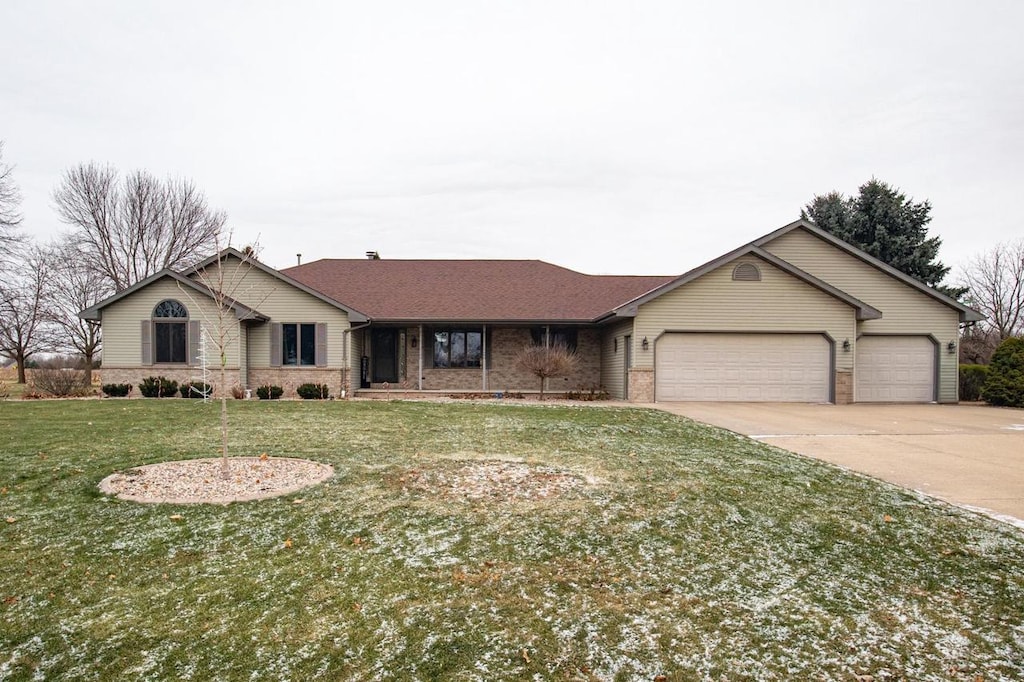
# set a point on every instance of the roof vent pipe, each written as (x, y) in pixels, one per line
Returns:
(372, 255)
(298, 259)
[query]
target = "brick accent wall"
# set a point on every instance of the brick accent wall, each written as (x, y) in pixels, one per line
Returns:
(134, 376)
(641, 385)
(292, 377)
(502, 374)
(289, 379)
(844, 387)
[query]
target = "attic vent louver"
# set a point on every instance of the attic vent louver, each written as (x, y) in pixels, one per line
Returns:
(372, 255)
(746, 272)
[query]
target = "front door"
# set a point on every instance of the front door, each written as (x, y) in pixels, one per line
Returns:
(384, 351)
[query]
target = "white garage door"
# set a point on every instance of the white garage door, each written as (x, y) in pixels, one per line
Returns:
(743, 367)
(894, 369)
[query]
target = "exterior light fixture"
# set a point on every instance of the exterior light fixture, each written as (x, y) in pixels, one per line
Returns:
(414, 342)
(951, 347)
(645, 344)
(846, 345)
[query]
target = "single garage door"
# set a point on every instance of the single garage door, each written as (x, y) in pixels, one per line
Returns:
(743, 367)
(894, 369)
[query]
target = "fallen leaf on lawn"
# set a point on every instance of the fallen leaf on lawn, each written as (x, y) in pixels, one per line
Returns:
(298, 501)
(526, 656)
(10, 519)
(176, 517)
(888, 519)
(660, 678)
(288, 543)
(10, 600)
(263, 457)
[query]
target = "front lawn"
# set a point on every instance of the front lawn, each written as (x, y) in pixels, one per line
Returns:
(479, 541)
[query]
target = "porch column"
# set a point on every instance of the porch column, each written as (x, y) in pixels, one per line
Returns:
(483, 362)
(419, 366)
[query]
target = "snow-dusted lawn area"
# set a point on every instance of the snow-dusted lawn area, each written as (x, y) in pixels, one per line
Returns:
(484, 541)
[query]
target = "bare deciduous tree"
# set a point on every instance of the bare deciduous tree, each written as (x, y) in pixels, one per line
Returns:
(546, 362)
(23, 318)
(228, 286)
(995, 282)
(10, 213)
(73, 287)
(134, 228)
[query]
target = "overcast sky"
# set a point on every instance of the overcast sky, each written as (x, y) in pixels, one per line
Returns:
(608, 137)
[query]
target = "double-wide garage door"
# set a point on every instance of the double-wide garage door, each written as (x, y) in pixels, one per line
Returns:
(894, 369)
(743, 367)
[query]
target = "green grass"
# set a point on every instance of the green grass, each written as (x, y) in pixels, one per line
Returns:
(692, 553)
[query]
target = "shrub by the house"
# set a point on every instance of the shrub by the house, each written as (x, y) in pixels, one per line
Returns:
(267, 392)
(196, 389)
(59, 382)
(117, 390)
(158, 387)
(1005, 383)
(972, 379)
(313, 391)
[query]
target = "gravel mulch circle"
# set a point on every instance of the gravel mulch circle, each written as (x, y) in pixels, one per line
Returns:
(491, 480)
(199, 481)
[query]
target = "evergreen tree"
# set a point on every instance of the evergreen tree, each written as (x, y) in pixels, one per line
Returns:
(883, 222)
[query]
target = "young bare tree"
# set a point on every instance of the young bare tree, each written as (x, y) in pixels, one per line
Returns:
(23, 318)
(74, 286)
(546, 362)
(995, 282)
(10, 213)
(227, 285)
(132, 228)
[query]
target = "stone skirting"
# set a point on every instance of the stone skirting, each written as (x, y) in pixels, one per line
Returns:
(292, 377)
(844, 387)
(135, 375)
(641, 385)
(289, 379)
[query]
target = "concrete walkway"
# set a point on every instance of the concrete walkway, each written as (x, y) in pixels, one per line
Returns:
(966, 454)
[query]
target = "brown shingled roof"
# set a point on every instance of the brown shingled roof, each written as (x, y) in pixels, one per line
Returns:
(470, 290)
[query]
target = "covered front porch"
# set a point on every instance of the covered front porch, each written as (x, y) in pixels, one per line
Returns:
(445, 358)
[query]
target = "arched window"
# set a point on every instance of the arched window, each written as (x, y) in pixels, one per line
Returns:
(170, 332)
(746, 272)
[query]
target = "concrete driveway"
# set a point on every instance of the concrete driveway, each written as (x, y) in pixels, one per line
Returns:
(965, 454)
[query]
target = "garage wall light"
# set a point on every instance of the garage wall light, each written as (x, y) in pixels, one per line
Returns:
(951, 347)
(846, 345)
(645, 344)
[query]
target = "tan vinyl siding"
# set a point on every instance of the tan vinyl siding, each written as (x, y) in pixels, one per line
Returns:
(612, 355)
(905, 310)
(716, 302)
(282, 303)
(122, 345)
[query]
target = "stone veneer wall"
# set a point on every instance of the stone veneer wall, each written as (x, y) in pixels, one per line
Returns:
(502, 374)
(641, 385)
(844, 387)
(120, 375)
(289, 379)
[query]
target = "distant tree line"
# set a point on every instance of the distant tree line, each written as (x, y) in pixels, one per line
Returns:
(121, 230)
